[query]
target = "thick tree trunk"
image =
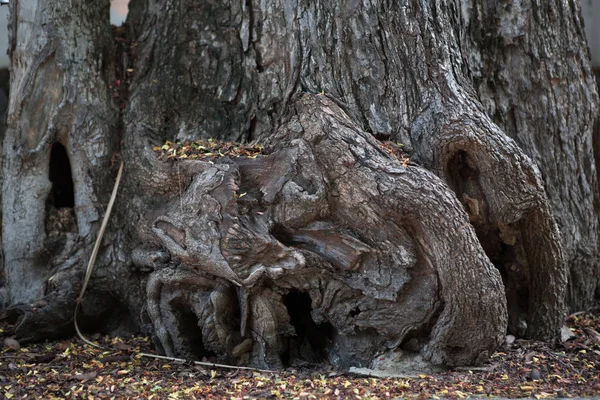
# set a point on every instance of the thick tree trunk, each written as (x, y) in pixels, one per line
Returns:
(61, 136)
(537, 85)
(326, 246)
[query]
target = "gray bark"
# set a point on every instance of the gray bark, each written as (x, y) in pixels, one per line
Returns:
(61, 67)
(549, 108)
(326, 247)
(314, 225)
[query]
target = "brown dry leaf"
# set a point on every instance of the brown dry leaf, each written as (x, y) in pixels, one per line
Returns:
(207, 149)
(544, 395)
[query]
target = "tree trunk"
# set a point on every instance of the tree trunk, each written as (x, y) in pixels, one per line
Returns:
(61, 136)
(325, 247)
(549, 108)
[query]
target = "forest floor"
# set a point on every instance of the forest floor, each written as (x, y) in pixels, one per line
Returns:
(71, 369)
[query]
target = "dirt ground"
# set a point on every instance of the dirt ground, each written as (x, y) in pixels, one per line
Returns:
(72, 369)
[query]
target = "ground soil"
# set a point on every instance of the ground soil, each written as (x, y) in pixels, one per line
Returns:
(72, 369)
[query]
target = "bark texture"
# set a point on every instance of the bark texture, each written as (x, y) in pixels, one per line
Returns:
(333, 219)
(326, 247)
(549, 108)
(57, 169)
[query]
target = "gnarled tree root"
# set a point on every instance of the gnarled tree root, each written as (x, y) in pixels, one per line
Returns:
(383, 252)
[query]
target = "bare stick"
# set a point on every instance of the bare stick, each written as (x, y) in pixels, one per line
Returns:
(90, 266)
(207, 364)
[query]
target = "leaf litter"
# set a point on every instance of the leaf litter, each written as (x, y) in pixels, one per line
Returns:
(71, 369)
(211, 149)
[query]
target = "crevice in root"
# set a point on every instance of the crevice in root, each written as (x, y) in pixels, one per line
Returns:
(312, 341)
(382, 136)
(283, 235)
(463, 178)
(111, 317)
(252, 130)
(502, 244)
(512, 265)
(189, 330)
(342, 249)
(355, 312)
(417, 338)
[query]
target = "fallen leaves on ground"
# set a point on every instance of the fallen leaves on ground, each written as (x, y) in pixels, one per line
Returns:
(70, 369)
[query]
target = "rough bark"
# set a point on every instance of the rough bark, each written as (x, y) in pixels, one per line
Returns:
(60, 113)
(336, 219)
(325, 247)
(549, 108)
(4, 90)
(443, 121)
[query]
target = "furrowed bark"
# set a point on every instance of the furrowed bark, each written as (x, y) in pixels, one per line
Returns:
(61, 136)
(331, 189)
(325, 247)
(549, 108)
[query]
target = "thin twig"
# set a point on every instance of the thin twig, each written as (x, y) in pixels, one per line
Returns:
(488, 368)
(374, 373)
(88, 272)
(207, 364)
